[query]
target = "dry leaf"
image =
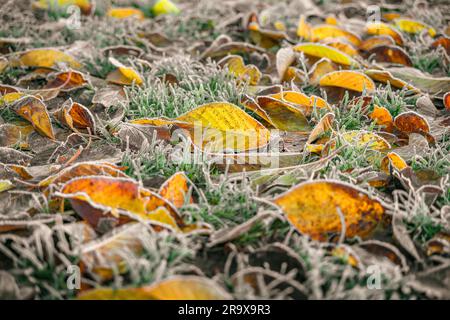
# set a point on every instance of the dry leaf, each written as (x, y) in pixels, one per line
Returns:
(314, 208)
(35, 111)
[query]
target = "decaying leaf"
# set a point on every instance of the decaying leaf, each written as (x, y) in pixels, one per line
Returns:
(76, 116)
(325, 208)
(411, 122)
(35, 111)
(175, 288)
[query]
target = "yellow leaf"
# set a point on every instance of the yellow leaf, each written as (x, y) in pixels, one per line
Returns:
(323, 51)
(413, 26)
(324, 124)
(321, 68)
(95, 197)
(347, 79)
(343, 46)
(387, 77)
(303, 28)
(392, 160)
(174, 288)
(123, 75)
(322, 209)
(224, 126)
(331, 19)
(85, 5)
(44, 58)
(380, 28)
(302, 101)
(3, 64)
(165, 7)
(5, 185)
(282, 115)
(123, 13)
(364, 138)
(237, 67)
(11, 97)
(330, 31)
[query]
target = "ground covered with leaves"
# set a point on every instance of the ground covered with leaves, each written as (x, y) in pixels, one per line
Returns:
(233, 149)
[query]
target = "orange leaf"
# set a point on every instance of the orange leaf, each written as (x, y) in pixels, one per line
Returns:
(175, 189)
(76, 116)
(109, 197)
(83, 169)
(375, 41)
(447, 101)
(392, 160)
(391, 54)
(382, 117)
(411, 122)
(35, 111)
(380, 28)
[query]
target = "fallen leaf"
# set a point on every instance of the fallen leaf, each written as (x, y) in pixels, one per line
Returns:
(282, 115)
(304, 28)
(323, 51)
(365, 138)
(380, 28)
(174, 288)
(44, 58)
(164, 7)
(351, 80)
(76, 116)
(413, 26)
(392, 160)
(236, 66)
(222, 126)
(321, 68)
(35, 111)
(83, 169)
(411, 122)
(125, 12)
(313, 208)
(382, 117)
(390, 54)
(123, 75)
(5, 185)
(175, 189)
(330, 31)
(375, 41)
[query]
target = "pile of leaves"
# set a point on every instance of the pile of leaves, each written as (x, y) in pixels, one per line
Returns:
(241, 149)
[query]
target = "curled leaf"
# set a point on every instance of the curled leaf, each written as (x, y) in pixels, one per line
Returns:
(35, 111)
